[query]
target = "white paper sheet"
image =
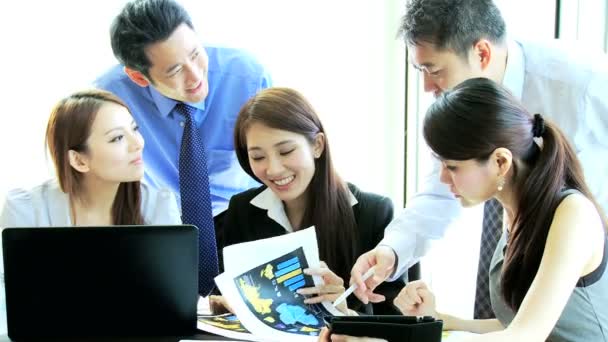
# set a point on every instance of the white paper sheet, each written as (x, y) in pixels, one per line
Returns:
(245, 256)
(456, 336)
(202, 306)
(226, 325)
(269, 255)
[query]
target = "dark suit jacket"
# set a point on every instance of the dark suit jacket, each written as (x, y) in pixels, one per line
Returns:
(244, 222)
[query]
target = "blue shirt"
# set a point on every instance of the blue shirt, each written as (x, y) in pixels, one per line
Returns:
(234, 77)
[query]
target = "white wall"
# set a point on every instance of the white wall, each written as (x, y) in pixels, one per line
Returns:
(341, 54)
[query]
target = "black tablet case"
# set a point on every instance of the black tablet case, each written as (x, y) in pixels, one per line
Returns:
(393, 328)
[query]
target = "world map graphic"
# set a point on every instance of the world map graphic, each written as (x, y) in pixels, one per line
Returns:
(269, 292)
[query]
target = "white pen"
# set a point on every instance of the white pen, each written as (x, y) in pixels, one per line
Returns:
(352, 288)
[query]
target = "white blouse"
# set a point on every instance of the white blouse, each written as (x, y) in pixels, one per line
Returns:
(47, 206)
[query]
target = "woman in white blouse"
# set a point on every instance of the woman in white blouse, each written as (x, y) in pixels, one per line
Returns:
(96, 149)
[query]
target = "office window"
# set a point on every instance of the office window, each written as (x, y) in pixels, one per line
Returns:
(585, 21)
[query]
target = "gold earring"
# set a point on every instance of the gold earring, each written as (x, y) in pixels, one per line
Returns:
(501, 183)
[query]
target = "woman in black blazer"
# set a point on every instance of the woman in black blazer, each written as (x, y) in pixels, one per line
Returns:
(280, 141)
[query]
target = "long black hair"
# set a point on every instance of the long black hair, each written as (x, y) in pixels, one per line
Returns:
(328, 205)
(479, 116)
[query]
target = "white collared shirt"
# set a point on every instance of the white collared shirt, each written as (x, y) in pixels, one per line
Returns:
(567, 86)
(269, 201)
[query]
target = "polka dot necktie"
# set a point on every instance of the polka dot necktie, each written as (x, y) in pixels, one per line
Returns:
(196, 197)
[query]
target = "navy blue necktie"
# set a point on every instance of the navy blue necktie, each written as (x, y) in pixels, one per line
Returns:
(196, 197)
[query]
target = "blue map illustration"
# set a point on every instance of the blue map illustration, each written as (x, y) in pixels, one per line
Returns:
(292, 314)
(269, 292)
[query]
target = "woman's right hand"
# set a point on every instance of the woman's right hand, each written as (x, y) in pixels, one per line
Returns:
(415, 299)
(332, 288)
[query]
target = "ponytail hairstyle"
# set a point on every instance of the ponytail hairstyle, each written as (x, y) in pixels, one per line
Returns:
(69, 128)
(477, 117)
(328, 205)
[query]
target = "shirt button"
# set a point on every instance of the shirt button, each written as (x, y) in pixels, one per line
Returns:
(181, 123)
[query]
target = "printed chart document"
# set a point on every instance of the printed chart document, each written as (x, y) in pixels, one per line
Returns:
(260, 284)
(227, 325)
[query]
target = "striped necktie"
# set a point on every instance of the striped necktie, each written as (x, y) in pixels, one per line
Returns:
(490, 234)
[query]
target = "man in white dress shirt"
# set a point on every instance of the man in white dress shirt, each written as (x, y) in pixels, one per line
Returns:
(451, 41)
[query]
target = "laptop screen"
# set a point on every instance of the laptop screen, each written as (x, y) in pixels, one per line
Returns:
(100, 281)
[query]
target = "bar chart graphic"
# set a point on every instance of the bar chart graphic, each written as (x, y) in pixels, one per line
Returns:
(289, 273)
(269, 291)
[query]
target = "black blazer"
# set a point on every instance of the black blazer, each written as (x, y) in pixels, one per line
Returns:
(243, 222)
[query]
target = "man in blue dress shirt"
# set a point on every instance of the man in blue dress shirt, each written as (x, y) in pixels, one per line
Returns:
(163, 64)
(185, 99)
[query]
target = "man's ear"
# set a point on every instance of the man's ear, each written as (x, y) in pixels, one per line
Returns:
(78, 162)
(137, 77)
(483, 51)
(319, 145)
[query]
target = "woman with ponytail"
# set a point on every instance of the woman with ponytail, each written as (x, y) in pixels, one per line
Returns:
(547, 276)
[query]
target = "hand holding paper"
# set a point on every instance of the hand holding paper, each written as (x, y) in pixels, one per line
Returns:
(261, 283)
(219, 305)
(332, 287)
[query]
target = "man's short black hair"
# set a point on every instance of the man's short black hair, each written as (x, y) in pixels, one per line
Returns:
(452, 24)
(141, 23)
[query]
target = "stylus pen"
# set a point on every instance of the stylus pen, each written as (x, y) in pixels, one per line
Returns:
(352, 288)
